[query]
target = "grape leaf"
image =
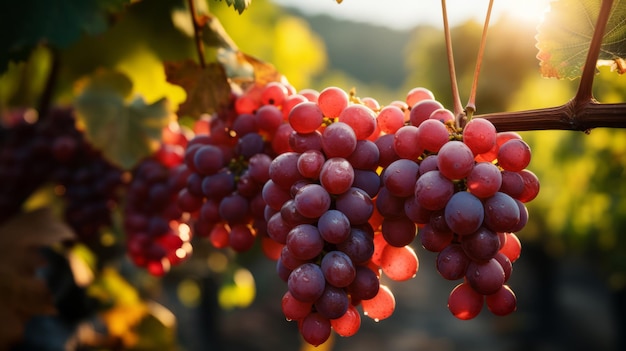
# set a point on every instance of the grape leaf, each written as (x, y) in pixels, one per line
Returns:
(245, 70)
(207, 88)
(564, 37)
(22, 294)
(239, 5)
(125, 131)
(58, 23)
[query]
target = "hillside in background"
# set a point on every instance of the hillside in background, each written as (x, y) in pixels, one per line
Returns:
(374, 54)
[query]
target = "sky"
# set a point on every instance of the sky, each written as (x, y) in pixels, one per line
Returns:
(404, 14)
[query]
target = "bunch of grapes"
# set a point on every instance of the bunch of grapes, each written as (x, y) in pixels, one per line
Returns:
(321, 207)
(88, 183)
(157, 234)
(469, 200)
(51, 149)
(229, 161)
(25, 162)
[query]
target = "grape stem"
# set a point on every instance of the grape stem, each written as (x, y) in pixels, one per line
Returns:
(470, 108)
(197, 26)
(458, 107)
(582, 112)
(584, 92)
(45, 100)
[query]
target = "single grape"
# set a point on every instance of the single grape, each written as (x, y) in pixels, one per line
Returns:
(306, 283)
(399, 231)
(406, 143)
(208, 159)
(338, 140)
(269, 118)
(332, 101)
(485, 277)
(418, 94)
(338, 269)
(274, 93)
(514, 155)
(294, 309)
(465, 303)
(386, 150)
(284, 170)
(442, 115)
(312, 200)
(359, 246)
(479, 135)
(512, 247)
(502, 302)
(400, 177)
(333, 303)
(365, 156)
(452, 262)
(390, 119)
(348, 324)
(433, 190)
(361, 118)
(506, 264)
(334, 226)
(365, 284)
(241, 238)
(278, 228)
(502, 214)
(422, 110)
(234, 208)
(481, 245)
(380, 306)
(433, 240)
(433, 135)
(304, 241)
(368, 181)
(356, 205)
(315, 328)
(306, 117)
(399, 263)
(455, 160)
(484, 180)
(531, 186)
(336, 175)
(464, 213)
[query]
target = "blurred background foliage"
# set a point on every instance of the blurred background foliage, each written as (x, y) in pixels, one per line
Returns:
(580, 211)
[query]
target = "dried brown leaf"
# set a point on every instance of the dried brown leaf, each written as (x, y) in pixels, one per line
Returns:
(207, 88)
(22, 294)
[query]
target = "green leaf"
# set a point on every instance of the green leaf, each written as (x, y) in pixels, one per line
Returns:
(125, 132)
(239, 5)
(57, 23)
(564, 37)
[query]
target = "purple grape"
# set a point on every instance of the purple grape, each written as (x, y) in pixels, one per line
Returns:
(304, 241)
(464, 213)
(306, 283)
(333, 303)
(338, 269)
(334, 226)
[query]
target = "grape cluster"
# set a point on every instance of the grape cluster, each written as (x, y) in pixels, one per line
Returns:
(157, 234)
(51, 149)
(320, 206)
(229, 160)
(469, 199)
